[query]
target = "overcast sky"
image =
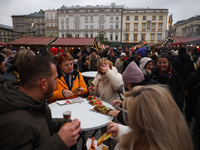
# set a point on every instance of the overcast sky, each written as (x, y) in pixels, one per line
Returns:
(181, 9)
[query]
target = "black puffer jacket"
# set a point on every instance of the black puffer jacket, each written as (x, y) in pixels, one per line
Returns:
(183, 65)
(26, 123)
(175, 85)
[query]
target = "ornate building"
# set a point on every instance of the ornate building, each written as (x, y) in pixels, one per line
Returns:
(6, 33)
(51, 23)
(189, 27)
(144, 24)
(102, 22)
(30, 25)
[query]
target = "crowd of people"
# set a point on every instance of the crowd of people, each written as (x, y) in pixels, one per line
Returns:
(156, 96)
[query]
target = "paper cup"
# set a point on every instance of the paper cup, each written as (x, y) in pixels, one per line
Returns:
(67, 114)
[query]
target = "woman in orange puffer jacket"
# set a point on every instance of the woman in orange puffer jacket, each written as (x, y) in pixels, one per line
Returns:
(68, 80)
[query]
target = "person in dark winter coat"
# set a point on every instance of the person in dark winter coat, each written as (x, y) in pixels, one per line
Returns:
(192, 86)
(2, 68)
(76, 59)
(183, 64)
(164, 73)
(26, 121)
(196, 129)
(112, 57)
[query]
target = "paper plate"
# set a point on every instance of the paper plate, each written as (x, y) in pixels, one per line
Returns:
(100, 147)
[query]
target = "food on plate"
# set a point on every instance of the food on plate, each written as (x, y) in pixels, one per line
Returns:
(104, 137)
(102, 109)
(92, 147)
(90, 97)
(77, 90)
(93, 100)
(68, 102)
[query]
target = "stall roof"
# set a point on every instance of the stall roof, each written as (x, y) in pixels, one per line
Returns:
(181, 39)
(33, 41)
(73, 41)
(3, 43)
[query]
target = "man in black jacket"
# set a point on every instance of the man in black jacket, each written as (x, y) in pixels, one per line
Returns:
(26, 121)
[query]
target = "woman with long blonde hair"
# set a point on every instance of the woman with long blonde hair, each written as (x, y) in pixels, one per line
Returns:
(154, 122)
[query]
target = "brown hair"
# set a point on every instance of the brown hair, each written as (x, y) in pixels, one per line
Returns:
(35, 68)
(155, 121)
(63, 57)
(104, 61)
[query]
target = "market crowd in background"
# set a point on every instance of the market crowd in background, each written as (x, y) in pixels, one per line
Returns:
(178, 69)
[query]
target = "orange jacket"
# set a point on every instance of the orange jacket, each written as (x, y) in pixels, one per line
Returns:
(78, 82)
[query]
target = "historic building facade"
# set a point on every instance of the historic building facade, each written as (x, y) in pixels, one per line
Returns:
(29, 25)
(141, 25)
(103, 22)
(189, 27)
(51, 23)
(6, 33)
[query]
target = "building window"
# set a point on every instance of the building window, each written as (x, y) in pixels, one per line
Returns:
(101, 26)
(86, 26)
(76, 35)
(101, 37)
(51, 32)
(152, 38)
(116, 37)
(160, 17)
(91, 26)
(117, 26)
(142, 37)
(127, 26)
(159, 37)
(127, 18)
(86, 17)
(136, 18)
(86, 35)
(135, 26)
(111, 18)
(117, 18)
(67, 26)
(62, 26)
(101, 17)
(67, 18)
(144, 18)
(111, 37)
(111, 26)
(126, 37)
(76, 25)
(144, 27)
(160, 26)
(91, 18)
(153, 27)
(91, 35)
(63, 35)
(47, 31)
(76, 17)
(153, 17)
(135, 37)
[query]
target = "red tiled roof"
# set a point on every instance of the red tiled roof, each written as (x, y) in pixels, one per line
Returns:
(33, 41)
(3, 43)
(74, 41)
(181, 39)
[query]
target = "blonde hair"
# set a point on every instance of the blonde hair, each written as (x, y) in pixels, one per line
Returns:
(20, 55)
(155, 120)
(104, 61)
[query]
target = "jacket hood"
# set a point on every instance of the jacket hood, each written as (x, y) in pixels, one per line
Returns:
(12, 99)
(184, 57)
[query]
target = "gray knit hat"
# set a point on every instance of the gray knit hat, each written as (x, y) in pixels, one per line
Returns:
(133, 74)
